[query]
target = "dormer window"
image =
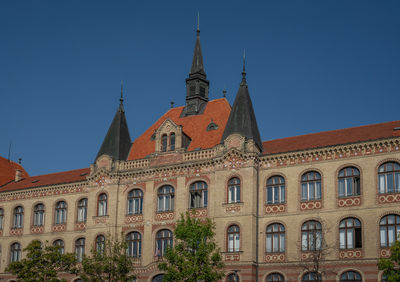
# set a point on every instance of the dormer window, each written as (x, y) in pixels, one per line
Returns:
(172, 141)
(164, 141)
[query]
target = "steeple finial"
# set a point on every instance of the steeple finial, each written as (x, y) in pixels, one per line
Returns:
(198, 23)
(121, 100)
(244, 68)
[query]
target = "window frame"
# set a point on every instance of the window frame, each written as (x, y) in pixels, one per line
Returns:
(60, 214)
(312, 235)
(134, 244)
(172, 141)
(198, 195)
(15, 252)
(134, 200)
(164, 142)
(100, 244)
(346, 179)
(388, 229)
(81, 210)
(61, 243)
(352, 229)
(272, 277)
(38, 214)
(383, 176)
(102, 204)
(233, 238)
(311, 183)
(234, 190)
(165, 198)
(273, 235)
(276, 187)
(1, 218)
(348, 279)
(18, 217)
(80, 248)
(314, 273)
(164, 241)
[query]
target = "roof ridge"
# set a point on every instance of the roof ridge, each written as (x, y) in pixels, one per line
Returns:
(333, 130)
(65, 171)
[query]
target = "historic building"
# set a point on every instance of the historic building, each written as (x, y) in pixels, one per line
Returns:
(289, 209)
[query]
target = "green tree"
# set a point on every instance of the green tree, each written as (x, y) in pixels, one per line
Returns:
(109, 262)
(43, 263)
(195, 255)
(390, 266)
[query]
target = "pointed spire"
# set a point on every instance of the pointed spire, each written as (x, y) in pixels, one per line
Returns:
(197, 63)
(242, 119)
(117, 142)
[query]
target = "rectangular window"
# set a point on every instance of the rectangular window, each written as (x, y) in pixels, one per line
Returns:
(381, 184)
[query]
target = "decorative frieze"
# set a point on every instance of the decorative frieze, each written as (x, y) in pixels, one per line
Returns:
(16, 231)
(350, 254)
(310, 205)
(37, 229)
(349, 202)
(161, 216)
(271, 209)
(133, 218)
(100, 219)
(198, 212)
(384, 252)
(59, 228)
(389, 198)
(80, 226)
(232, 208)
(132, 227)
(278, 257)
(232, 257)
(311, 256)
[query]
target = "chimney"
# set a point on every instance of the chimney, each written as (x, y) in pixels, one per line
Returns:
(18, 175)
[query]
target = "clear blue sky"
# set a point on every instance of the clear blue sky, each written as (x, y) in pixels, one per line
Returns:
(311, 66)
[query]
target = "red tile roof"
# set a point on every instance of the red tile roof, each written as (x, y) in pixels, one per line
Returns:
(193, 126)
(47, 179)
(7, 170)
(334, 137)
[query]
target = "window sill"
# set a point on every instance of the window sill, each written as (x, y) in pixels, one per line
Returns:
(233, 203)
(236, 252)
(348, 197)
(100, 216)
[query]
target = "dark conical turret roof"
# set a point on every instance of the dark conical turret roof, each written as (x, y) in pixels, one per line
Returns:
(197, 63)
(242, 119)
(117, 142)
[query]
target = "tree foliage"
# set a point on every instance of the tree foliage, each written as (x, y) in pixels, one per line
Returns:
(110, 263)
(195, 255)
(390, 266)
(43, 263)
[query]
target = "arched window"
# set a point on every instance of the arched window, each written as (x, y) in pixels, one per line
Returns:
(15, 252)
(61, 213)
(164, 143)
(350, 276)
(164, 241)
(234, 190)
(82, 210)
(135, 201)
(134, 241)
(350, 233)
(275, 190)
(311, 276)
(275, 238)
(311, 186)
(389, 229)
(349, 182)
(80, 249)
(1, 218)
(172, 141)
(275, 277)
(232, 277)
(389, 178)
(158, 278)
(60, 244)
(198, 195)
(18, 217)
(102, 205)
(165, 196)
(233, 239)
(311, 236)
(384, 278)
(100, 244)
(38, 215)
